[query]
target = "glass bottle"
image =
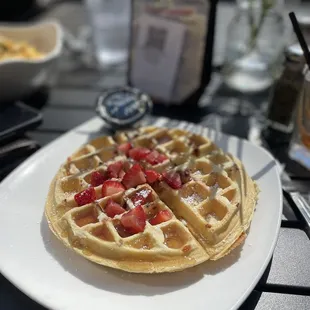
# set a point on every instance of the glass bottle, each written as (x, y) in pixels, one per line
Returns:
(284, 96)
(299, 149)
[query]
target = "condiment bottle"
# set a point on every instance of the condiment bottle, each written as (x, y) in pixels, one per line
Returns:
(284, 96)
(123, 107)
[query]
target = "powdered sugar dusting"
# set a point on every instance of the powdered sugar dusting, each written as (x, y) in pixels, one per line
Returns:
(213, 191)
(193, 199)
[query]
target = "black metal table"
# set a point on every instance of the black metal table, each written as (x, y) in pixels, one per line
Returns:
(286, 282)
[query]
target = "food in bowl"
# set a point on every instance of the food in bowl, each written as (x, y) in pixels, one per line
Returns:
(20, 76)
(151, 200)
(17, 49)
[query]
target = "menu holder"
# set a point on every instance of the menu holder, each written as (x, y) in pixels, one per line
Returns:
(171, 49)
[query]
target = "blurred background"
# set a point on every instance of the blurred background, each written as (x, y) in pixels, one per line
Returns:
(229, 61)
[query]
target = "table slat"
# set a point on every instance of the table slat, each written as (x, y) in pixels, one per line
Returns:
(290, 265)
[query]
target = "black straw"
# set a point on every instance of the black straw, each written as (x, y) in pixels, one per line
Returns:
(300, 37)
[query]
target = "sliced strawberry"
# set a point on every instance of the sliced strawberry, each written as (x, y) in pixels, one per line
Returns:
(121, 174)
(122, 231)
(113, 208)
(155, 158)
(86, 196)
(135, 220)
(160, 217)
(173, 179)
(142, 197)
(127, 165)
(114, 169)
(97, 178)
(111, 187)
(138, 153)
(134, 176)
(152, 157)
(152, 176)
(161, 158)
(125, 147)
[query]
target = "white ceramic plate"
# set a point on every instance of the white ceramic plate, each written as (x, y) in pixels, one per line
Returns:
(39, 265)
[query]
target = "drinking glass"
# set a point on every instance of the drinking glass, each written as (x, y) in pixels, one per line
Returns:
(300, 144)
(110, 23)
(254, 43)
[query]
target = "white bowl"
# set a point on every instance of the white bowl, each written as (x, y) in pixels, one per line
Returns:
(19, 77)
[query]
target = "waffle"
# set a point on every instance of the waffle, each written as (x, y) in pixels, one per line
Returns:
(151, 200)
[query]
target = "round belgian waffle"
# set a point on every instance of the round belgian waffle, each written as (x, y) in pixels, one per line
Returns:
(151, 200)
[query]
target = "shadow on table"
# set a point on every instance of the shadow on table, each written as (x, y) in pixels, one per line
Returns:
(12, 298)
(127, 283)
(252, 300)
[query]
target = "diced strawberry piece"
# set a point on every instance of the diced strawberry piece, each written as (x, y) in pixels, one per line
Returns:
(152, 176)
(125, 147)
(134, 176)
(155, 158)
(113, 208)
(86, 196)
(138, 153)
(135, 220)
(127, 165)
(161, 158)
(152, 157)
(173, 179)
(114, 169)
(121, 174)
(142, 197)
(122, 231)
(111, 187)
(97, 178)
(160, 217)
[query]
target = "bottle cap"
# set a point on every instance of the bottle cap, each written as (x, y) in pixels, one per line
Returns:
(123, 107)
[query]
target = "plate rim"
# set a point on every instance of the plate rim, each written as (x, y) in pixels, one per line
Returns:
(14, 280)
